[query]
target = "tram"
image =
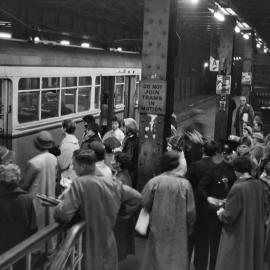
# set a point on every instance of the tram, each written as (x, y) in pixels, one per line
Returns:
(41, 85)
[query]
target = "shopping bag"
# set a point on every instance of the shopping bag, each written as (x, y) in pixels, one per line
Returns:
(142, 222)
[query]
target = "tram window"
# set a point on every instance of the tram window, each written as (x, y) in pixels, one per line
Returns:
(29, 83)
(120, 79)
(68, 101)
(97, 80)
(119, 90)
(51, 82)
(84, 95)
(83, 81)
(69, 81)
(49, 104)
(119, 94)
(136, 94)
(97, 97)
(28, 104)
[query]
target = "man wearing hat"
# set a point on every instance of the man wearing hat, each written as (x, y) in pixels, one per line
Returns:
(214, 187)
(40, 176)
(198, 240)
(169, 200)
(91, 132)
(98, 202)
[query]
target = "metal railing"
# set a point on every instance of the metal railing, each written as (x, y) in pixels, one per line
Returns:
(69, 255)
(68, 251)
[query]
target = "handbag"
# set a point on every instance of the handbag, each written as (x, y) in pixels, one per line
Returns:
(142, 222)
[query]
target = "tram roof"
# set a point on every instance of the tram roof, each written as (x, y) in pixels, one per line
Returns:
(76, 18)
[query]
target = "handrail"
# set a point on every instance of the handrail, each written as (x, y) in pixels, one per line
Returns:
(62, 254)
(30, 244)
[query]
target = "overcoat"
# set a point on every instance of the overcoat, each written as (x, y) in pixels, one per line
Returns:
(238, 123)
(242, 239)
(172, 215)
(97, 201)
(17, 219)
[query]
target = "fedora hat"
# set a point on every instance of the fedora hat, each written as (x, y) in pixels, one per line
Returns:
(43, 140)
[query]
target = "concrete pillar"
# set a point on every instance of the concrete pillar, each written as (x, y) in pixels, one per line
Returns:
(226, 46)
(154, 88)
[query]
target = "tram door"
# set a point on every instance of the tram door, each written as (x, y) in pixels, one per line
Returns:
(5, 109)
(107, 103)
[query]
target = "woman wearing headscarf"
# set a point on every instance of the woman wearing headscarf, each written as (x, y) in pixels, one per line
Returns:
(130, 148)
(40, 177)
(18, 219)
(170, 202)
(175, 143)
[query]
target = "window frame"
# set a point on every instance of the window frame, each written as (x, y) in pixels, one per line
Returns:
(120, 105)
(59, 88)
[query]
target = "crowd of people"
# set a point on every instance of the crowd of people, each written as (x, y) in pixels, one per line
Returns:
(93, 180)
(209, 205)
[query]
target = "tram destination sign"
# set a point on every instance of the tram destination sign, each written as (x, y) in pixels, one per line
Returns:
(152, 98)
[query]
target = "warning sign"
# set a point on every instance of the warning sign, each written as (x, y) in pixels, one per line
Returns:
(214, 64)
(152, 98)
(223, 85)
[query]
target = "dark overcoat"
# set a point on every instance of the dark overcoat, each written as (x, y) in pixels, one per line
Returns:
(242, 239)
(17, 219)
(238, 123)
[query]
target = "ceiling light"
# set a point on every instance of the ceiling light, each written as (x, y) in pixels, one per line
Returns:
(5, 35)
(224, 11)
(258, 45)
(219, 16)
(194, 1)
(36, 39)
(119, 49)
(246, 36)
(65, 42)
(237, 29)
(246, 25)
(85, 45)
(206, 65)
(265, 50)
(231, 11)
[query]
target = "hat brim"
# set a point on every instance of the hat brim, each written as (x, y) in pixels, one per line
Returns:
(232, 144)
(41, 146)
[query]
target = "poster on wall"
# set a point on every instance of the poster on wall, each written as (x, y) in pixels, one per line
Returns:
(223, 85)
(246, 78)
(214, 64)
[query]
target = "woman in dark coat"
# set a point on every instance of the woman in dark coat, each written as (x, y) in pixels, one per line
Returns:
(131, 148)
(124, 227)
(91, 132)
(243, 217)
(18, 219)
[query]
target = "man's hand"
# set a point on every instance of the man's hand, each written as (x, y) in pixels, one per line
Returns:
(213, 201)
(219, 212)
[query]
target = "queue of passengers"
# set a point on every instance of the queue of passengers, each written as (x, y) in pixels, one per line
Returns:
(210, 200)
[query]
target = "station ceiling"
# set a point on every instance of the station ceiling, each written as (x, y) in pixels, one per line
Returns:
(128, 15)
